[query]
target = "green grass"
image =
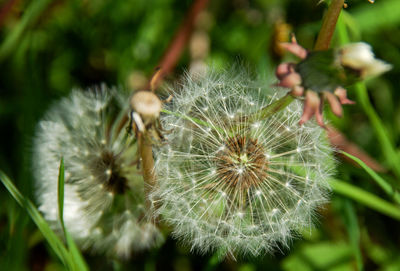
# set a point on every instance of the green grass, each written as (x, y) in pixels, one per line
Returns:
(54, 241)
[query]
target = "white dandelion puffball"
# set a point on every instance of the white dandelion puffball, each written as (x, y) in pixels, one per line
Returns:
(232, 185)
(104, 202)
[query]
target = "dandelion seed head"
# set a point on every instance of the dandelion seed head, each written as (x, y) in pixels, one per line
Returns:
(99, 170)
(249, 176)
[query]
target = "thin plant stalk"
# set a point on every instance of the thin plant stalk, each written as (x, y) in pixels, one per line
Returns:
(147, 160)
(365, 198)
(390, 154)
(386, 186)
(272, 108)
(328, 25)
(167, 63)
(76, 255)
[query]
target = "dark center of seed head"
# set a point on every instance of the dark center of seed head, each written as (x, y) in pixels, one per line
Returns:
(242, 163)
(112, 178)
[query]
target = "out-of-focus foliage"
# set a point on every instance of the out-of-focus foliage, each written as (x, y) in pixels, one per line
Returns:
(49, 47)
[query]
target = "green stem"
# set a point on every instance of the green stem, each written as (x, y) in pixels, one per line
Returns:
(389, 152)
(271, 109)
(328, 25)
(353, 230)
(366, 198)
(342, 35)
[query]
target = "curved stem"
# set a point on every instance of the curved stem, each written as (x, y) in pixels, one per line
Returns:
(179, 41)
(386, 186)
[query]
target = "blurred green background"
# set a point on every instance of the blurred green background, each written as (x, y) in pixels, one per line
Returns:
(49, 47)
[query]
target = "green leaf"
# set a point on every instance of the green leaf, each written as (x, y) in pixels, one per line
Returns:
(366, 198)
(386, 14)
(353, 230)
(55, 243)
(319, 256)
(385, 185)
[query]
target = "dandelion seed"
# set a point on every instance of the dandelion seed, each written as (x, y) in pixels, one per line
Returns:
(104, 194)
(249, 176)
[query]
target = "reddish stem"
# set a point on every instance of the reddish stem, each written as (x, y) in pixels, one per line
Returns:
(5, 10)
(167, 64)
(179, 41)
(328, 25)
(339, 141)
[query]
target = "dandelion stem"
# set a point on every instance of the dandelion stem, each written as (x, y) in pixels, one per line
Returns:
(328, 25)
(179, 41)
(272, 108)
(388, 150)
(146, 154)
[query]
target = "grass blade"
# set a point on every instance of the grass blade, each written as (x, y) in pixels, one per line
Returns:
(366, 198)
(60, 193)
(55, 243)
(391, 156)
(353, 229)
(386, 186)
(75, 253)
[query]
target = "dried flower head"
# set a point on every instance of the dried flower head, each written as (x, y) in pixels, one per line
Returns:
(104, 194)
(233, 183)
(147, 105)
(325, 74)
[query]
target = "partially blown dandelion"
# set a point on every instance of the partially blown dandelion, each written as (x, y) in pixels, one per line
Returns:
(233, 183)
(104, 194)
